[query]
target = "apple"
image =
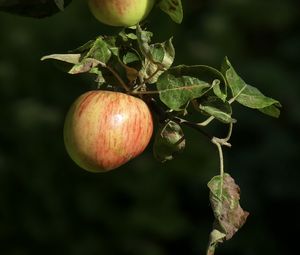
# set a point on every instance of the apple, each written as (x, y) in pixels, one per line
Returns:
(124, 13)
(104, 129)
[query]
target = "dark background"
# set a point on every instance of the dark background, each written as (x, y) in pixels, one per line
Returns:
(48, 205)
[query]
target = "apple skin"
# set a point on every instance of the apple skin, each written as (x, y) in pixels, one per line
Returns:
(103, 130)
(124, 13)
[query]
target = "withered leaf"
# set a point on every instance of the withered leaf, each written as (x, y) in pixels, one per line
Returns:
(229, 216)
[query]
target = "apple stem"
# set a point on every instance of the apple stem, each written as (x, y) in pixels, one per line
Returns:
(218, 143)
(148, 92)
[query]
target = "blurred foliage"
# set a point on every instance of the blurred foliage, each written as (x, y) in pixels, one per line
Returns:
(33, 8)
(48, 205)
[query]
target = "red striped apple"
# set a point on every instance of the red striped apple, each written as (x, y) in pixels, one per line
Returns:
(124, 13)
(104, 130)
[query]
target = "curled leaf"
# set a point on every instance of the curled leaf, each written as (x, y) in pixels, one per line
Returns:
(215, 107)
(168, 141)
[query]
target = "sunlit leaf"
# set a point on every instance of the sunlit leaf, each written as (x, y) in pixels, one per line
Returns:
(248, 95)
(68, 58)
(177, 91)
(180, 84)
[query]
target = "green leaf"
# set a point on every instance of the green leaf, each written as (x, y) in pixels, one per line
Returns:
(160, 59)
(213, 76)
(178, 91)
(127, 36)
(173, 8)
(92, 54)
(144, 39)
(272, 110)
(215, 107)
(99, 51)
(68, 58)
(169, 141)
(229, 216)
(130, 57)
(248, 95)
(218, 91)
(180, 84)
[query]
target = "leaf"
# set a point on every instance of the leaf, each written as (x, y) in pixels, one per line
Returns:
(229, 216)
(92, 54)
(78, 65)
(248, 95)
(215, 237)
(160, 59)
(180, 84)
(86, 65)
(213, 76)
(144, 39)
(131, 73)
(127, 36)
(68, 58)
(173, 8)
(99, 51)
(215, 107)
(178, 91)
(218, 91)
(272, 110)
(130, 57)
(168, 141)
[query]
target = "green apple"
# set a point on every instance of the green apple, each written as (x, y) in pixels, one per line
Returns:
(103, 130)
(124, 13)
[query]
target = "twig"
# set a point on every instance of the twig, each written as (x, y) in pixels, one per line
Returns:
(123, 84)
